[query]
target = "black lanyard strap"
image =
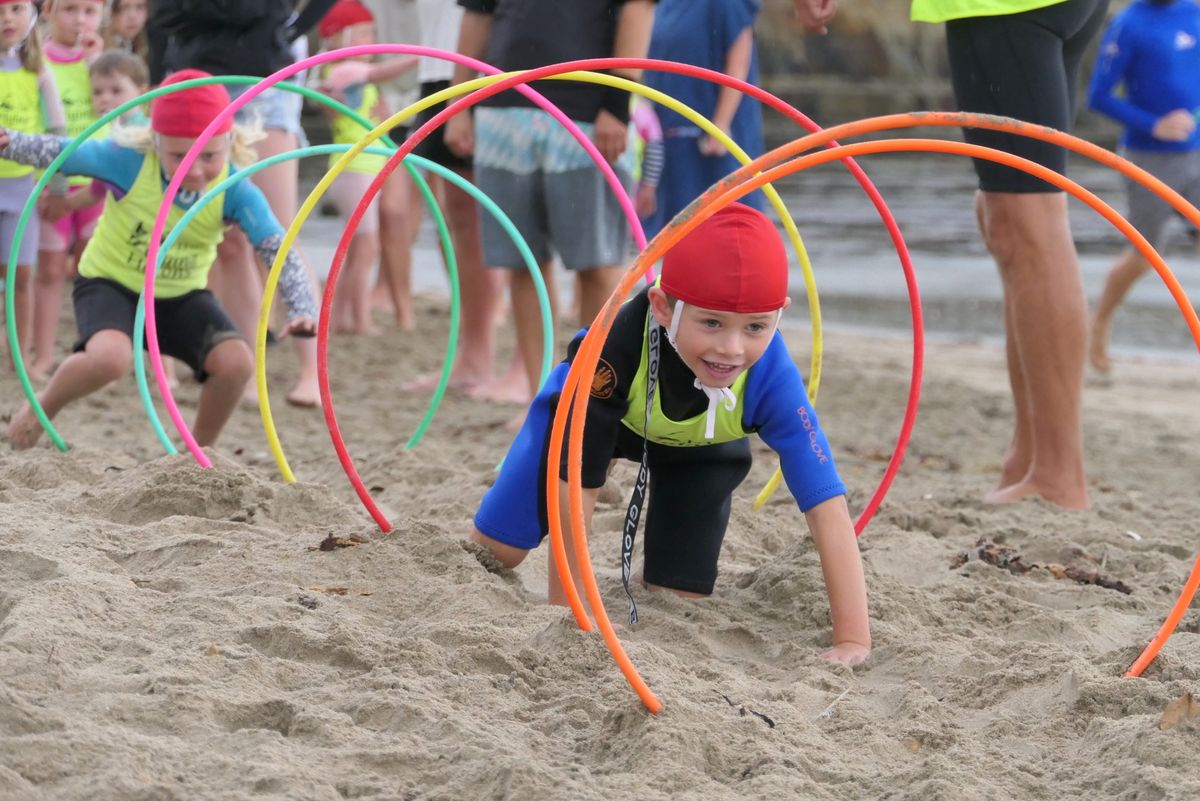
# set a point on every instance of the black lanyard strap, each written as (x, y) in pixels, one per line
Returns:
(637, 501)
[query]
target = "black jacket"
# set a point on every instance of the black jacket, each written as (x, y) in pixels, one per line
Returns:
(227, 37)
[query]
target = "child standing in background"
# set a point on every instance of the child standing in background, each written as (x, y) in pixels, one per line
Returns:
(717, 35)
(126, 28)
(1152, 48)
(29, 102)
(347, 24)
(648, 161)
(73, 29)
(350, 23)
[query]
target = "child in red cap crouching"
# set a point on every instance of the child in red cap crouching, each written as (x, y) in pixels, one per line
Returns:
(685, 412)
(192, 326)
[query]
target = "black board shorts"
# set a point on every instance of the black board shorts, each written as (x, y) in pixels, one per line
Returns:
(1024, 66)
(189, 326)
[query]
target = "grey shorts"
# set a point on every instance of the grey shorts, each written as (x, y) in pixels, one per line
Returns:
(533, 169)
(1149, 213)
(274, 109)
(13, 194)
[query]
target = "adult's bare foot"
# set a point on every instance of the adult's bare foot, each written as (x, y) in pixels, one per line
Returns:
(461, 378)
(1013, 468)
(24, 429)
(504, 389)
(1068, 498)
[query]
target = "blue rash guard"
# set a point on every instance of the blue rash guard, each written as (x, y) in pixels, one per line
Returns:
(1154, 51)
(774, 405)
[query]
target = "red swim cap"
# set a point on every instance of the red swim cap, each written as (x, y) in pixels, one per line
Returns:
(189, 112)
(734, 261)
(343, 14)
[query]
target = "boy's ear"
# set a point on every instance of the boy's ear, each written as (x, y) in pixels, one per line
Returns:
(660, 307)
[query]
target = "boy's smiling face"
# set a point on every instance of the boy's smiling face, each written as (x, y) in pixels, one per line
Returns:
(717, 346)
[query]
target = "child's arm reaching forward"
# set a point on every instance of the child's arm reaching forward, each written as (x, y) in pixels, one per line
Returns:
(833, 534)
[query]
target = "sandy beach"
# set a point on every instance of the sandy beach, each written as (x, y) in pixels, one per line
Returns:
(168, 632)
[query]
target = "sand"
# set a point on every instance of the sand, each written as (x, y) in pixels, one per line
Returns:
(168, 632)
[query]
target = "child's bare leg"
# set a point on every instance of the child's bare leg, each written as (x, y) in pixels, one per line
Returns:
(47, 306)
(22, 305)
(399, 219)
(235, 281)
(229, 366)
(107, 356)
(1124, 274)
(361, 258)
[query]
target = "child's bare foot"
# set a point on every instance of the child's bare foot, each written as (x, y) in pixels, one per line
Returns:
(24, 429)
(306, 395)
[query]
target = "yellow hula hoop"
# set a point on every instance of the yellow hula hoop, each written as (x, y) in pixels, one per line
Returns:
(336, 169)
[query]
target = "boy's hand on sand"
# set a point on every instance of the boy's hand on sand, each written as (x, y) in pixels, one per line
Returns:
(303, 327)
(847, 653)
(1174, 127)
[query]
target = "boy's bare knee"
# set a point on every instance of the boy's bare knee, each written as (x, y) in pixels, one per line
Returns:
(230, 360)
(505, 554)
(111, 352)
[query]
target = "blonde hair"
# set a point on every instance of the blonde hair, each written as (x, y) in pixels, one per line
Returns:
(31, 48)
(243, 139)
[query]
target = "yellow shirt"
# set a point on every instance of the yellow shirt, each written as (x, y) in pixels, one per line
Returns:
(119, 247)
(944, 10)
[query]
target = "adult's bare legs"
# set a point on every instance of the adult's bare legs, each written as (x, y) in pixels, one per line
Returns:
(1046, 316)
(1129, 268)
(527, 317)
(481, 293)
(1019, 455)
(594, 287)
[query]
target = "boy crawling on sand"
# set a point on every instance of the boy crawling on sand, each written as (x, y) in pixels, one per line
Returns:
(726, 374)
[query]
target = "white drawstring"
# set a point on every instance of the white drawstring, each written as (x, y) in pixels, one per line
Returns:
(715, 396)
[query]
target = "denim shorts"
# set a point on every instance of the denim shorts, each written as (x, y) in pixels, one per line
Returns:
(275, 109)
